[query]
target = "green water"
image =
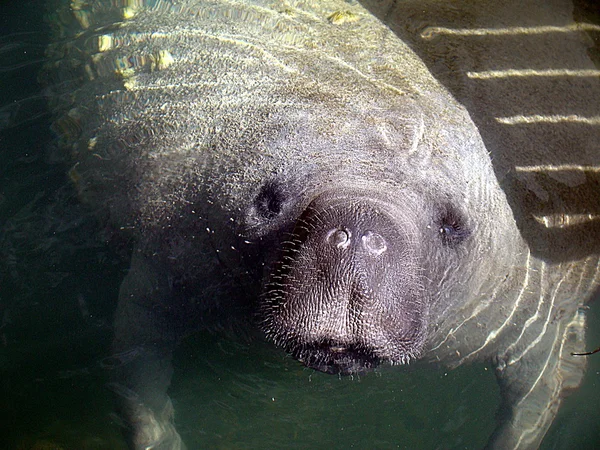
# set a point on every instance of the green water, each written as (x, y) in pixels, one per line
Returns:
(59, 280)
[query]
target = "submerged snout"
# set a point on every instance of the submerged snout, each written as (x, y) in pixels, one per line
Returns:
(345, 294)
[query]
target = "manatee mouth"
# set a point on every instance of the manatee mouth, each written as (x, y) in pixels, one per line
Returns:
(336, 359)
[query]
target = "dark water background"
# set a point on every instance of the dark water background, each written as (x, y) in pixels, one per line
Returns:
(59, 278)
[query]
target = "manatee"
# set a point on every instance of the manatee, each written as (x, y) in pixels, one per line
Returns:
(297, 162)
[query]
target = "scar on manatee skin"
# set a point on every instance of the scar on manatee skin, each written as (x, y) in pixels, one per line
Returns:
(340, 17)
(586, 353)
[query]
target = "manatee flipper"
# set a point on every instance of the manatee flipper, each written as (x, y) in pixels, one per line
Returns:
(144, 343)
(534, 382)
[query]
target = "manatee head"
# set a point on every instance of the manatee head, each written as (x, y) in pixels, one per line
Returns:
(374, 211)
(371, 262)
(352, 286)
(379, 228)
(380, 224)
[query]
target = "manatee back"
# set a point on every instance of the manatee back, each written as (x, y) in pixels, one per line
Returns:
(163, 105)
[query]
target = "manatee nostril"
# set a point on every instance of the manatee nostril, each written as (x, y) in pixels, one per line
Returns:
(374, 243)
(339, 237)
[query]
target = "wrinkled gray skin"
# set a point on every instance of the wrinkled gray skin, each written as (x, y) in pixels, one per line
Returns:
(273, 157)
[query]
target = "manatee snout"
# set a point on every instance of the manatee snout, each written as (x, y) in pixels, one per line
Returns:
(346, 292)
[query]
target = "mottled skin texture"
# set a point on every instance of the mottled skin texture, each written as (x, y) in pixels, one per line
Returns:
(271, 156)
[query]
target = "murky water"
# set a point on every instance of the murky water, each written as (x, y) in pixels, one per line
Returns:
(59, 279)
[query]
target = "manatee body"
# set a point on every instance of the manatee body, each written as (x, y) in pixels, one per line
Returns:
(299, 160)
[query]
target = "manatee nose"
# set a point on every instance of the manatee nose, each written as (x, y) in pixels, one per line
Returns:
(374, 243)
(339, 237)
(343, 237)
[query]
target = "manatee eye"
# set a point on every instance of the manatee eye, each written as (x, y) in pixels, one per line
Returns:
(452, 229)
(269, 201)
